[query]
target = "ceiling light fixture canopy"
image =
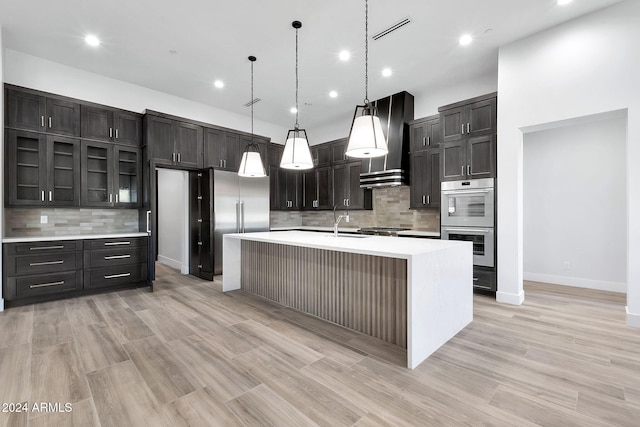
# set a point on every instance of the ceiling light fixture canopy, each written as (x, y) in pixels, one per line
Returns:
(296, 154)
(251, 164)
(366, 138)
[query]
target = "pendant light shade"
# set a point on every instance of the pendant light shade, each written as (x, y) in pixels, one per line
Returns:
(366, 138)
(251, 164)
(296, 154)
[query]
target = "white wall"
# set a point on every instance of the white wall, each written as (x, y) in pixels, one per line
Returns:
(426, 103)
(574, 194)
(173, 219)
(584, 67)
(37, 73)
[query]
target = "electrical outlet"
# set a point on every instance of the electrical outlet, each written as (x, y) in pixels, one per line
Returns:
(566, 265)
(44, 219)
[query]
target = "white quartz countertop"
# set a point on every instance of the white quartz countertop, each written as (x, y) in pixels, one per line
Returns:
(77, 237)
(408, 233)
(392, 247)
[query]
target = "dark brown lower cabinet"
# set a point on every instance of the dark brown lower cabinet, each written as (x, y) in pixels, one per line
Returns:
(54, 269)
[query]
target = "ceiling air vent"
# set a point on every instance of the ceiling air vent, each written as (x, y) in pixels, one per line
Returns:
(250, 103)
(391, 29)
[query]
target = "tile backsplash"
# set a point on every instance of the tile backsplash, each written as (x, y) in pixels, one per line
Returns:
(65, 222)
(390, 209)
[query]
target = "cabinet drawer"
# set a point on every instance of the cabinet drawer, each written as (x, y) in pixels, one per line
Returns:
(43, 263)
(484, 278)
(123, 242)
(42, 247)
(44, 284)
(119, 255)
(114, 276)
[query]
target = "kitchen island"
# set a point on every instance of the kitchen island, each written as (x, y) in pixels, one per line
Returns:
(414, 293)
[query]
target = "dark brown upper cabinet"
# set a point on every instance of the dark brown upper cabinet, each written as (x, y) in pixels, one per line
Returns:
(425, 133)
(468, 148)
(316, 187)
(425, 179)
(30, 110)
(107, 124)
(174, 143)
(223, 149)
(42, 170)
(347, 193)
(111, 175)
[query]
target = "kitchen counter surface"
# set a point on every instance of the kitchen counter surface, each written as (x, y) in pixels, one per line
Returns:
(363, 244)
(76, 237)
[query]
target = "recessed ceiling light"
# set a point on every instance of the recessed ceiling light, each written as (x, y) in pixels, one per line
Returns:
(344, 55)
(293, 110)
(219, 84)
(564, 2)
(465, 40)
(92, 40)
(386, 72)
(333, 94)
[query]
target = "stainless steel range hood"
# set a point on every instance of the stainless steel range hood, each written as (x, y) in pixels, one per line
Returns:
(395, 112)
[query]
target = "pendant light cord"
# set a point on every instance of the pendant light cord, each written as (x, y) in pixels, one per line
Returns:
(297, 125)
(366, 52)
(252, 101)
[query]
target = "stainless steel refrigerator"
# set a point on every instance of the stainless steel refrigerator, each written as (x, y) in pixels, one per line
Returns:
(240, 205)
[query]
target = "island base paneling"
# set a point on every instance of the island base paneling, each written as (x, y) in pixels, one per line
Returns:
(365, 293)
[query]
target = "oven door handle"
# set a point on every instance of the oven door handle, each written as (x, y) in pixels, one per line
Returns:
(465, 191)
(469, 230)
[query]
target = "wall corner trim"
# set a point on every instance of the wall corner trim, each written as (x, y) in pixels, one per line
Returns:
(633, 319)
(507, 298)
(1, 304)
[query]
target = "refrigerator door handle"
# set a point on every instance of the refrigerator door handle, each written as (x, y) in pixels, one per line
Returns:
(241, 216)
(237, 216)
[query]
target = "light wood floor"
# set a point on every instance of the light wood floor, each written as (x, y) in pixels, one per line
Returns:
(188, 354)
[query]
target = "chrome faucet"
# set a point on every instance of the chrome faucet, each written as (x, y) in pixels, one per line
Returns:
(337, 220)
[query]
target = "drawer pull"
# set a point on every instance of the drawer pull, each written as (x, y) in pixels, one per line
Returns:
(35, 264)
(44, 285)
(117, 257)
(116, 276)
(117, 243)
(40, 248)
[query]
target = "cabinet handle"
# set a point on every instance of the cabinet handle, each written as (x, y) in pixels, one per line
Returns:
(428, 140)
(50, 196)
(173, 157)
(42, 121)
(117, 198)
(424, 141)
(221, 163)
(116, 133)
(111, 198)
(40, 248)
(178, 157)
(423, 200)
(117, 243)
(107, 258)
(49, 122)
(462, 128)
(225, 163)
(43, 285)
(428, 200)
(469, 170)
(115, 276)
(43, 195)
(36, 264)
(462, 171)
(468, 127)
(110, 132)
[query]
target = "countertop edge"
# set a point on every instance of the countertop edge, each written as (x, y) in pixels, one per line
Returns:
(71, 237)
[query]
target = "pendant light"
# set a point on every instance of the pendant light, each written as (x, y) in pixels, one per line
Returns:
(296, 154)
(366, 138)
(251, 164)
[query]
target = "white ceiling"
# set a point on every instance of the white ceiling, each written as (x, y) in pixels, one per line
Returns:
(214, 38)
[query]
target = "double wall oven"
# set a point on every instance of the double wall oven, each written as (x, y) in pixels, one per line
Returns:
(468, 214)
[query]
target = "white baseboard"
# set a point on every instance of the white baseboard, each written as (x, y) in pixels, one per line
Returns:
(507, 298)
(633, 319)
(170, 262)
(577, 282)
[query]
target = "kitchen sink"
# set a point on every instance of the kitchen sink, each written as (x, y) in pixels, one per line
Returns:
(352, 236)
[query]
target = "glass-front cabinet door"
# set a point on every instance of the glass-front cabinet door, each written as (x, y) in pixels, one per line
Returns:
(26, 168)
(63, 160)
(97, 174)
(127, 189)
